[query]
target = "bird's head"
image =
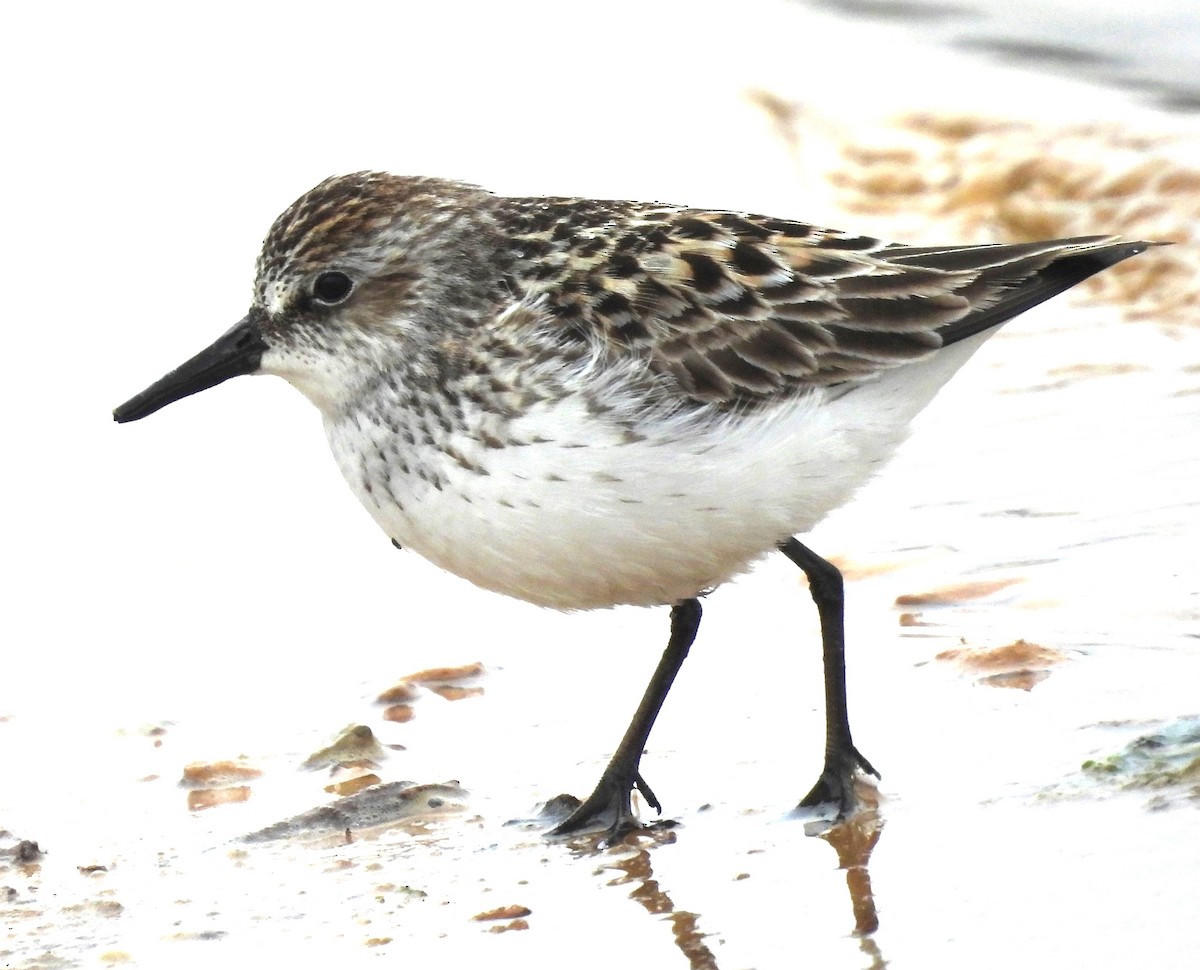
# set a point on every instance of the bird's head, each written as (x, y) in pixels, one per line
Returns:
(359, 272)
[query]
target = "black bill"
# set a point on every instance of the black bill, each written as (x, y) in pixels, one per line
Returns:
(236, 352)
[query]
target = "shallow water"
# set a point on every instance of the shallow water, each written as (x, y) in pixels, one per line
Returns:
(1148, 50)
(201, 588)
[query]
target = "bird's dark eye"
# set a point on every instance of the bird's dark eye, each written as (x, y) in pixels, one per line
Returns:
(332, 288)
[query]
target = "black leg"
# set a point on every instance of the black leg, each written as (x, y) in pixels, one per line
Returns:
(608, 806)
(836, 783)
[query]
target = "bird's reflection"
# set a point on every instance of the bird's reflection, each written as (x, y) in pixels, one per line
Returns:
(636, 869)
(853, 839)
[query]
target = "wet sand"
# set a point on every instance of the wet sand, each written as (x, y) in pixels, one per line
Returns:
(1022, 610)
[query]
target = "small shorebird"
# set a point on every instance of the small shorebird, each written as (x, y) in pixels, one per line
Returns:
(585, 403)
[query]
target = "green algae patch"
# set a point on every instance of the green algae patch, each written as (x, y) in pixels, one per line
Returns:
(1164, 762)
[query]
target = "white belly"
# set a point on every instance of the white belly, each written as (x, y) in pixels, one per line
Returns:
(583, 516)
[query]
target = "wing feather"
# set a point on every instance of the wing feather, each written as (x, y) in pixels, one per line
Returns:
(738, 308)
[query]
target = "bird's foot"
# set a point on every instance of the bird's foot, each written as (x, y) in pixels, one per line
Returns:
(608, 809)
(836, 784)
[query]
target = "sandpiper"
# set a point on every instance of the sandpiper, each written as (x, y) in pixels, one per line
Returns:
(585, 403)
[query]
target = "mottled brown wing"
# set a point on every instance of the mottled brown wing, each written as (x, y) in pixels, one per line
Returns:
(738, 307)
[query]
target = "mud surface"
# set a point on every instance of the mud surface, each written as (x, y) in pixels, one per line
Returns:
(239, 728)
